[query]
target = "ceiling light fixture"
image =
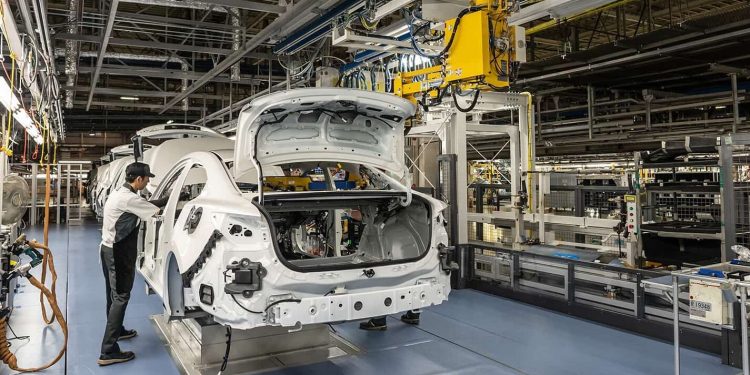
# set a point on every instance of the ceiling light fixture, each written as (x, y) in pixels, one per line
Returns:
(133, 98)
(11, 103)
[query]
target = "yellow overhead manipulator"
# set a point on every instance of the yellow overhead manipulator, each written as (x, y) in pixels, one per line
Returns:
(481, 52)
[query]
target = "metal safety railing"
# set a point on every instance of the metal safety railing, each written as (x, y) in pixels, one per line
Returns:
(632, 299)
(68, 191)
(737, 287)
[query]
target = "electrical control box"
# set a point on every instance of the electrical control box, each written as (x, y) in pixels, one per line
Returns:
(708, 303)
(633, 215)
(519, 43)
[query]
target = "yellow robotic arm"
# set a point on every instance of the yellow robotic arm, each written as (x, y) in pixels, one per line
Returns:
(480, 52)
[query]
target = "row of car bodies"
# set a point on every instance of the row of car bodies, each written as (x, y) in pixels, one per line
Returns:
(308, 217)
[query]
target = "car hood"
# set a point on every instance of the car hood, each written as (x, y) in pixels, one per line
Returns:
(323, 124)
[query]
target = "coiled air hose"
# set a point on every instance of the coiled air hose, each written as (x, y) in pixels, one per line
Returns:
(9, 357)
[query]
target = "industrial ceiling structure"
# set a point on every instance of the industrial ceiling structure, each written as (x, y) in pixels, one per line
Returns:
(126, 64)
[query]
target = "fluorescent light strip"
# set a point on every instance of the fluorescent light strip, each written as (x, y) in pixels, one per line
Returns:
(10, 102)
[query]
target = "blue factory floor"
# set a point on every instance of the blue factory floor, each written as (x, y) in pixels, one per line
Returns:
(473, 333)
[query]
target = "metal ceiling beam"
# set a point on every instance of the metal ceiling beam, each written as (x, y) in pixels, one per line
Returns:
(719, 68)
(146, 44)
(639, 56)
(209, 5)
(122, 70)
(160, 45)
(299, 9)
(123, 117)
(145, 93)
(102, 50)
(123, 104)
(171, 21)
(250, 5)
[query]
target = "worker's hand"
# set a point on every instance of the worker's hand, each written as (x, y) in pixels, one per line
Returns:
(184, 196)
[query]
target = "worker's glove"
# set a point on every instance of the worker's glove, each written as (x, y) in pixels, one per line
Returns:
(184, 196)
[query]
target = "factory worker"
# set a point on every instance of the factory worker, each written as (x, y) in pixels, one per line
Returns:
(123, 213)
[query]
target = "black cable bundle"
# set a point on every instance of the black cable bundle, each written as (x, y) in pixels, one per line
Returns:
(226, 353)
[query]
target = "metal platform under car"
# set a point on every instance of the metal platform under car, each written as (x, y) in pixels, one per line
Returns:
(198, 346)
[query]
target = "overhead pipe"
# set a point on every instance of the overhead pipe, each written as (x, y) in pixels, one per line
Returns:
(216, 6)
(190, 4)
(71, 52)
(59, 52)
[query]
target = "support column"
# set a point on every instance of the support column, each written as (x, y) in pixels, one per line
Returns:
(515, 184)
(590, 104)
(648, 97)
(527, 138)
(454, 142)
(556, 101)
(539, 115)
(735, 103)
(729, 226)
(544, 179)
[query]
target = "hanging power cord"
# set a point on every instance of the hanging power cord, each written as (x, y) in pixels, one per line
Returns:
(473, 101)
(225, 360)
(15, 336)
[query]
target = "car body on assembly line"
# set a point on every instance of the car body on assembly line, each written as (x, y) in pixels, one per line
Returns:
(180, 139)
(332, 233)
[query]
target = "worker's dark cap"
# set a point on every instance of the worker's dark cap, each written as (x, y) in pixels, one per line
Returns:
(138, 169)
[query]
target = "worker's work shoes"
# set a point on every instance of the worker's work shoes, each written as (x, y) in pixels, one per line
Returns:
(410, 318)
(112, 358)
(127, 334)
(374, 325)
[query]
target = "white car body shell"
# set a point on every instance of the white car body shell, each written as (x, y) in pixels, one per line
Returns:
(165, 155)
(170, 250)
(107, 181)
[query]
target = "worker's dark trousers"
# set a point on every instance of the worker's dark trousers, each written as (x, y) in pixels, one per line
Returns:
(118, 266)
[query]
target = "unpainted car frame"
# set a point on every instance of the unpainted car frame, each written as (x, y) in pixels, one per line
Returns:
(219, 253)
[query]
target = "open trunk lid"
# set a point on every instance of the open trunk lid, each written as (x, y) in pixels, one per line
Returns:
(323, 124)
